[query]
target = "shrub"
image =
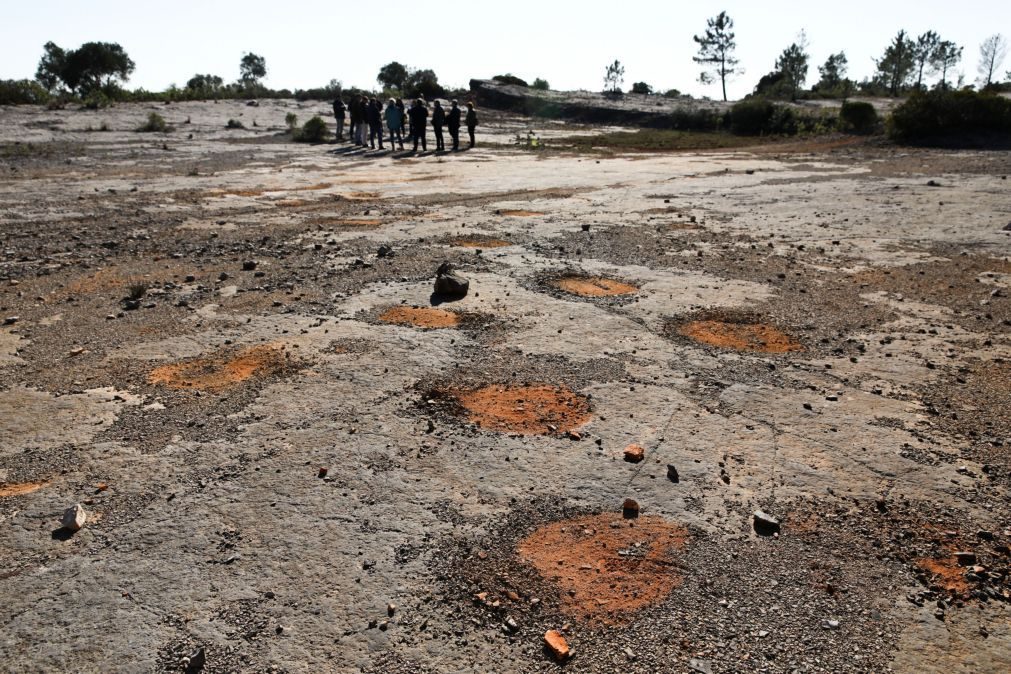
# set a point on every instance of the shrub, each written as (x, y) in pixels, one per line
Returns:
(235, 124)
(509, 78)
(155, 124)
(313, 131)
(757, 116)
(950, 115)
(291, 119)
(641, 88)
(858, 117)
(540, 85)
(672, 93)
(22, 92)
(697, 119)
(97, 100)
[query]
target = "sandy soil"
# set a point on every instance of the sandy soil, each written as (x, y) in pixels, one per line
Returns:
(295, 458)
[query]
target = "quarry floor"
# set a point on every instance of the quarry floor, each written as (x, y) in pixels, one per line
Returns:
(295, 458)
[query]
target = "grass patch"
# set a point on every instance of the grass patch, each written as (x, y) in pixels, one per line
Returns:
(48, 150)
(655, 140)
(155, 124)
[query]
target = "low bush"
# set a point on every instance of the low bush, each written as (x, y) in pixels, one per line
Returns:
(313, 131)
(96, 100)
(235, 124)
(540, 85)
(947, 116)
(23, 92)
(858, 117)
(291, 120)
(641, 88)
(698, 119)
(758, 117)
(155, 124)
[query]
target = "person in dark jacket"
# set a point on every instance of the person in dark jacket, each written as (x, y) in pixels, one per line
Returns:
(404, 121)
(364, 126)
(355, 113)
(471, 121)
(453, 122)
(375, 115)
(419, 119)
(338, 112)
(438, 121)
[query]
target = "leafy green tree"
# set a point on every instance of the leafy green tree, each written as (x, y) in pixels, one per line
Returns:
(641, 88)
(614, 75)
(992, 53)
(540, 85)
(792, 63)
(252, 69)
(923, 54)
(205, 84)
(833, 72)
(944, 59)
(52, 66)
(424, 83)
(91, 67)
(393, 75)
(897, 64)
(716, 51)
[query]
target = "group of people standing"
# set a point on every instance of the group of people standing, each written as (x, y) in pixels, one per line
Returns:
(367, 116)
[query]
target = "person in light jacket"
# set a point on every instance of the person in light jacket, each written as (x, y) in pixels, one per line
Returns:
(395, 123)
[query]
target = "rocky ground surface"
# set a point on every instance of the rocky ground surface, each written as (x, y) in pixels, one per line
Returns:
(295, 458)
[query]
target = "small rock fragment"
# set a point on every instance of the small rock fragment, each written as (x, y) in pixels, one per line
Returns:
(196, 661)
(634, 453)
(965, 558)
(672, 473)
(249, 265)
(557, 644)
(449, 285)
(11, 320)
(701, 666)
(630, 509)
(765, 524)
(74, 517)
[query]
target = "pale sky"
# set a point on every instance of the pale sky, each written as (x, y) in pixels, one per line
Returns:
(307, 42)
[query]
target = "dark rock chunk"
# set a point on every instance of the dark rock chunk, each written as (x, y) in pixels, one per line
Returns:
(449, 285)
(765, 524)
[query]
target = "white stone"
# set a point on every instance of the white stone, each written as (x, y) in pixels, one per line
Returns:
(74, 517)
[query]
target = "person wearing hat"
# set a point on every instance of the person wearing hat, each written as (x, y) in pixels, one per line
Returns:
(471, 121)
(453, 122)
(438, 121)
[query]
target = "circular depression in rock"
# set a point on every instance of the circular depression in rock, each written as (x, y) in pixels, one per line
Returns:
(606, 567)
(420, 317)
(530, 409)
(594, 286)
(221, 371)
(739, 335)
